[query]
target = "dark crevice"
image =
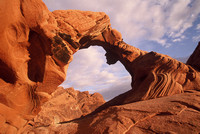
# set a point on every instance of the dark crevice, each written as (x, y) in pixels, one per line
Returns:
(74, 120)
(21, 8)
(30, 124)
(68, 39)
(6, 73)
(84, 39)
(148, 130)
(36, 64)
(7, 123)
(164, 114)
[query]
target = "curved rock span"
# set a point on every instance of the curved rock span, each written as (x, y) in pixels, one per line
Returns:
(36, 47)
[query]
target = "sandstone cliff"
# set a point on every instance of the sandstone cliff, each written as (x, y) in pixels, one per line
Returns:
(35, 50)
(36, 47)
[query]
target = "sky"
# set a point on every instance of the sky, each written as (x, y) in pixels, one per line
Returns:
(170, 27)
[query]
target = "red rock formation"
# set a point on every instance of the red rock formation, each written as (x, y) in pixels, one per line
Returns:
(170, 115)
(153, 75)
(66, 105)
(36, 47)
(194, 59)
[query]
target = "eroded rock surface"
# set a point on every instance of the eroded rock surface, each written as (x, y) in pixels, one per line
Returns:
(154, 75)
(172, 114)
(36, 47)
(66, 105)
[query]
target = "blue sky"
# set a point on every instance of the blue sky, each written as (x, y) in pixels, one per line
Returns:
(170, 27)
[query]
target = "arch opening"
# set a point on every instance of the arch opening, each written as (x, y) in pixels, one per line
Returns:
(89, 72)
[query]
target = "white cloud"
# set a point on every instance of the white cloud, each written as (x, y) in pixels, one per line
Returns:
(177, 40)
(86, 65)
(196, 38)
(198, 27)
(122, 85)
(155, 20)
(89, 71)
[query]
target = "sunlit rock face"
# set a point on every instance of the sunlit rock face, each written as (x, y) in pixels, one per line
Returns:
(154, 75)
(36, 47)
(66, 105)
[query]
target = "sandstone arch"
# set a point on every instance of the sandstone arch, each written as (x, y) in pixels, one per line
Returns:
(153, 75)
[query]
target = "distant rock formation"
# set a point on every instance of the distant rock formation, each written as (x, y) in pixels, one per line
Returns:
(66, 105)
(36, 47)
(194, 59)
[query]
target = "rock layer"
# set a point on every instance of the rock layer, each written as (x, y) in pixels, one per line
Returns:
(170, 115)
(154, 75)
